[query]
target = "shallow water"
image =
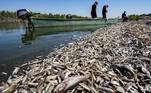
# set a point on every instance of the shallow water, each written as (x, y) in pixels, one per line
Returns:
(17, 45)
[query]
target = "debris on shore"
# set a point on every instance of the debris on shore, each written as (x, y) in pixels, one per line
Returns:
(115, 59)
(148, 23)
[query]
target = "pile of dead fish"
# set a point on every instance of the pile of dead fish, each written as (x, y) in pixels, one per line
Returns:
(148, 23)
(115, 59)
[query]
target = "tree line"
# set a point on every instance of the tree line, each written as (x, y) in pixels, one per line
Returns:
(9, 14)
(50, 15)
(137, 17)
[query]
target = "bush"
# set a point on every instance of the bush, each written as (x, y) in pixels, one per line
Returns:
(7, 14)
(133, 17)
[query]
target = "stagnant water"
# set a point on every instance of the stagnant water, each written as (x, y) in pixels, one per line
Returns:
(18, 45)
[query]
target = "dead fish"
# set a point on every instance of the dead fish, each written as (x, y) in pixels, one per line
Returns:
(47, 87)
(69, 83)
(34, 90)
(65, 74)
(91, 59)
(3, 86)
(84, 86)
(33, 84)
(93, 90)
(105, 89)
(53, 82)
(24, 79)
(143, 70)
(4, 73)
(115, 83)
(140, 88)
(10, 80)
(51, 78)
(124, 70)
(10, 89)
(59, 79)
(111, 73)
(109, 58)
(120, 89)
(15, 70)
(145, 59)
(23, 91)
(148, 23)
(99, 80)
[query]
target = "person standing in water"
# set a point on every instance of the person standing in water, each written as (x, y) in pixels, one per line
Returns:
(93, 10)
(104, 11)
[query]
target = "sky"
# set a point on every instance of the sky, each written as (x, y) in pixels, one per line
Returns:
(78, 7)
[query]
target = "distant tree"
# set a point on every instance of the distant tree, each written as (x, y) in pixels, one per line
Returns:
(133, 17)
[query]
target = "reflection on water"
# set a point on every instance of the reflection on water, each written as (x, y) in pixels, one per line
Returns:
(30, 36)
(18, 45)
(6, 26)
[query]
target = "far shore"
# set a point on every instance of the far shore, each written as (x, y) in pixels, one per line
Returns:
(10, 20)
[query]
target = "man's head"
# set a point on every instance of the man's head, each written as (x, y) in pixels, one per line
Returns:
(96, 3)
(124, 12)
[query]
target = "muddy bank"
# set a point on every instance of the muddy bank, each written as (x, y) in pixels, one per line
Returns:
(116, 59)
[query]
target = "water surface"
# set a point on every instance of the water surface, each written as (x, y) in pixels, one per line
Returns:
(18, 45)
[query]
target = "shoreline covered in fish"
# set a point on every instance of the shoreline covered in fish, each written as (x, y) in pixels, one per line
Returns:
(115, 59)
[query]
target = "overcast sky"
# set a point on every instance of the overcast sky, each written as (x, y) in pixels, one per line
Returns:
(78, 7)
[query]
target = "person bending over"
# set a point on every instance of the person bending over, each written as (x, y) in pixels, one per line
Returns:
(104, 12)
(124, 17)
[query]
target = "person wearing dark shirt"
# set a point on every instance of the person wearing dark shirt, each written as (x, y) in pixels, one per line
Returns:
(124, 17)
(68, 16)
(104, 11)
(93, 10)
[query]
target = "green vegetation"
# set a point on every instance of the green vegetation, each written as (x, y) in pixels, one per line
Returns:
(133, 17)
(146, 14)
(11, 17)
(137, 17)
(8, 17)
(5, 15)
(56, 16)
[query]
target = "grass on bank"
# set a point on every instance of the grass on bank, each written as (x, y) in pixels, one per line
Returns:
(137, 17)
(133, 17)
